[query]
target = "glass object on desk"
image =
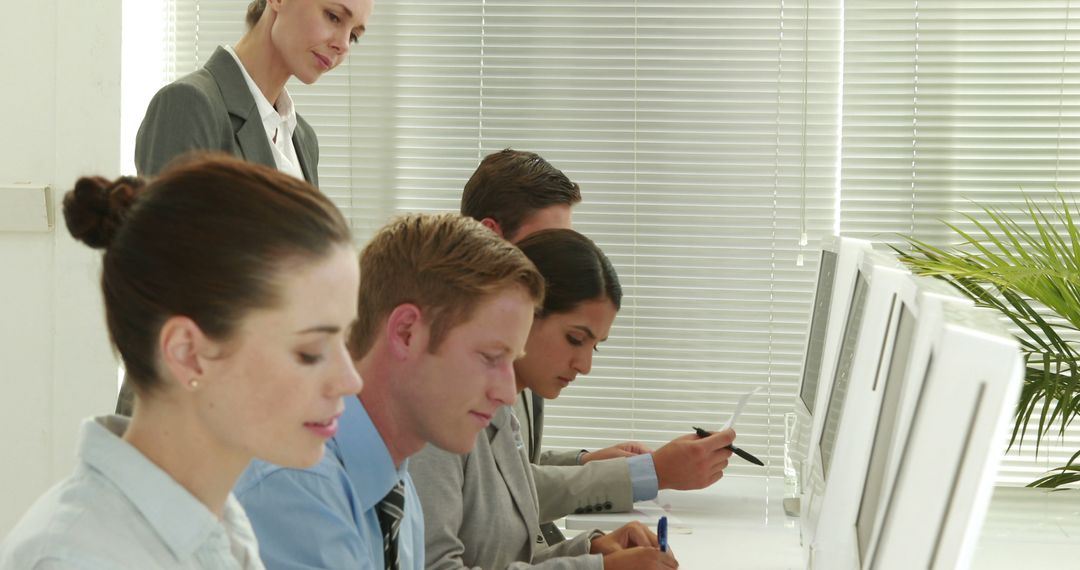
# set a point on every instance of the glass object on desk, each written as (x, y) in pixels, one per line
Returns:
(791, 475)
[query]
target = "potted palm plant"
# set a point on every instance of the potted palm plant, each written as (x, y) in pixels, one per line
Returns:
(1028, 269)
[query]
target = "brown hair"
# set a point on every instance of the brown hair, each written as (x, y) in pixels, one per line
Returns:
(254, 12)
(575, 270)
(205, 239)
(509, 185)
(445, 264)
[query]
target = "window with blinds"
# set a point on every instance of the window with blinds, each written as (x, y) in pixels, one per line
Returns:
(703, 135)
(950, 105)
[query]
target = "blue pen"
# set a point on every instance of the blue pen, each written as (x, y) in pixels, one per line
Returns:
(661, 533)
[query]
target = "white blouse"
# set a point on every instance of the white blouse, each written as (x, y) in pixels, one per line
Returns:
(120, 510)
(279, 120)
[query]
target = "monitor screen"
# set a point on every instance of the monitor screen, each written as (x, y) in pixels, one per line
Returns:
(819, 323)
(843, 371)
(886, 427)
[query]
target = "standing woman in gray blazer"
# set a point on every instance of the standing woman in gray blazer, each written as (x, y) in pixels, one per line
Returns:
(481, 508)
(237, 103)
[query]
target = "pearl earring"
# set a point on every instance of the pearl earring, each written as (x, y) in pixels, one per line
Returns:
(194, 384)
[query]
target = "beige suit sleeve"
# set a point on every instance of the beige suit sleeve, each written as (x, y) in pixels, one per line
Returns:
(597, 486)
(565, 458)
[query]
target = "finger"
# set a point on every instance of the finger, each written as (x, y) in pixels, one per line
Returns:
(640, 535)
(721, 438)
(668, 559)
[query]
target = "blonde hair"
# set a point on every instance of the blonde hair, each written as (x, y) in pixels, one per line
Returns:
(254, 12)
(446, 264)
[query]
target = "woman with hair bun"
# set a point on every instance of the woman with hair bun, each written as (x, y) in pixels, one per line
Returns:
(228, 288)
(237, 103)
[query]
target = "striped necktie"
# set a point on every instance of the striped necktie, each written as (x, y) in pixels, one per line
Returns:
(391, 510)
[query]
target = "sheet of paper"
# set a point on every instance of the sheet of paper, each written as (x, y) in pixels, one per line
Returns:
(738, 408)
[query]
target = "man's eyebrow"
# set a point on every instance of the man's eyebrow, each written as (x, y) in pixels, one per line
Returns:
(328, 329)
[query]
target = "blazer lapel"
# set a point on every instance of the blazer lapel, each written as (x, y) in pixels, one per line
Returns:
(303, 145)
(536, 430)
(250, 133)
(514, 466)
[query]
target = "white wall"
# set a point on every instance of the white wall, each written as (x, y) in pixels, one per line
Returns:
(60, 60)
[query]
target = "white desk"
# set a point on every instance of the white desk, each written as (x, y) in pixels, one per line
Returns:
(739, 523)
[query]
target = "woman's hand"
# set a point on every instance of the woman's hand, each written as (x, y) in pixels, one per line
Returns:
(625, 449)
(640, 558)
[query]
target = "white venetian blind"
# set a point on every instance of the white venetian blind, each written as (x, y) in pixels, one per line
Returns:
(949, 102)
(704, 137)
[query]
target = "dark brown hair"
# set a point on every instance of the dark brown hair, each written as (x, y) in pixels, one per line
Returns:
(254, 12)
(445, 264)
(575, 270)
(205, 239)
(509, 185)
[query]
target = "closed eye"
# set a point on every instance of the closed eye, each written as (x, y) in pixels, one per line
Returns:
(309, 359)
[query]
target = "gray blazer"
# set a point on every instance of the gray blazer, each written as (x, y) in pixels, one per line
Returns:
(565, 487)
(211, 109)
(480, 508)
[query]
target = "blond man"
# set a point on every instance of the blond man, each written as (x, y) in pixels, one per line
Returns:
(445, 307)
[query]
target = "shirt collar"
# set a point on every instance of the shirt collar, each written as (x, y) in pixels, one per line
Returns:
(182, 522)
(272, 115)
(364, 455)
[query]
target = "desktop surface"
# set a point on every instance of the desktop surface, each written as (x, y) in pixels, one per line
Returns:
(739, 523)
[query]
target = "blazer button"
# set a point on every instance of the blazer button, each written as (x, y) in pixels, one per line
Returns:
(588, 508)
(539, 539)
(598, 507)
(608, 506)
(578, 511)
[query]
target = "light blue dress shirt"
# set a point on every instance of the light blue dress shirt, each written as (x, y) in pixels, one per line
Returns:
(120, 510)
(326, 516)
(643, 477)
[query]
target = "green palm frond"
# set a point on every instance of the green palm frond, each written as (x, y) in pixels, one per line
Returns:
(1025, 272)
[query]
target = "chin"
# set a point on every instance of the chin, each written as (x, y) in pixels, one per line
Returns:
(459, 445)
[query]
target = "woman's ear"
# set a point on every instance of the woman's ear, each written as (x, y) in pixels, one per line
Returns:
(181, 343)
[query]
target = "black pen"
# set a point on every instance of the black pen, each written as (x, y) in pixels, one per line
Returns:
(744, 454)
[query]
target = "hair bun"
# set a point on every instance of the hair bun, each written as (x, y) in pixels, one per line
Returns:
(96, 208)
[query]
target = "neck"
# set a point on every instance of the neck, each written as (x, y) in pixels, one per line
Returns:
(385, 409)
(177, 442)
(262, 61)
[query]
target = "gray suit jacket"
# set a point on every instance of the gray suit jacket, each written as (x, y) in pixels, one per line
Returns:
(211, 109)
(480, 508)
(566, 488)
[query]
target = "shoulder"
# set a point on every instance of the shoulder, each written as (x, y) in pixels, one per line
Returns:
(328, 472)
(197, 91)
(82, 522)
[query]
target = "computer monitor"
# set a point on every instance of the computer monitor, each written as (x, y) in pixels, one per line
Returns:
(936, 489)
(835, 283)
(872, 413)
(879, 278)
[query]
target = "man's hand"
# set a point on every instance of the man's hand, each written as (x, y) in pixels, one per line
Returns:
(640, 558)
(629, 535)
(625, 449)
(692, 462)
